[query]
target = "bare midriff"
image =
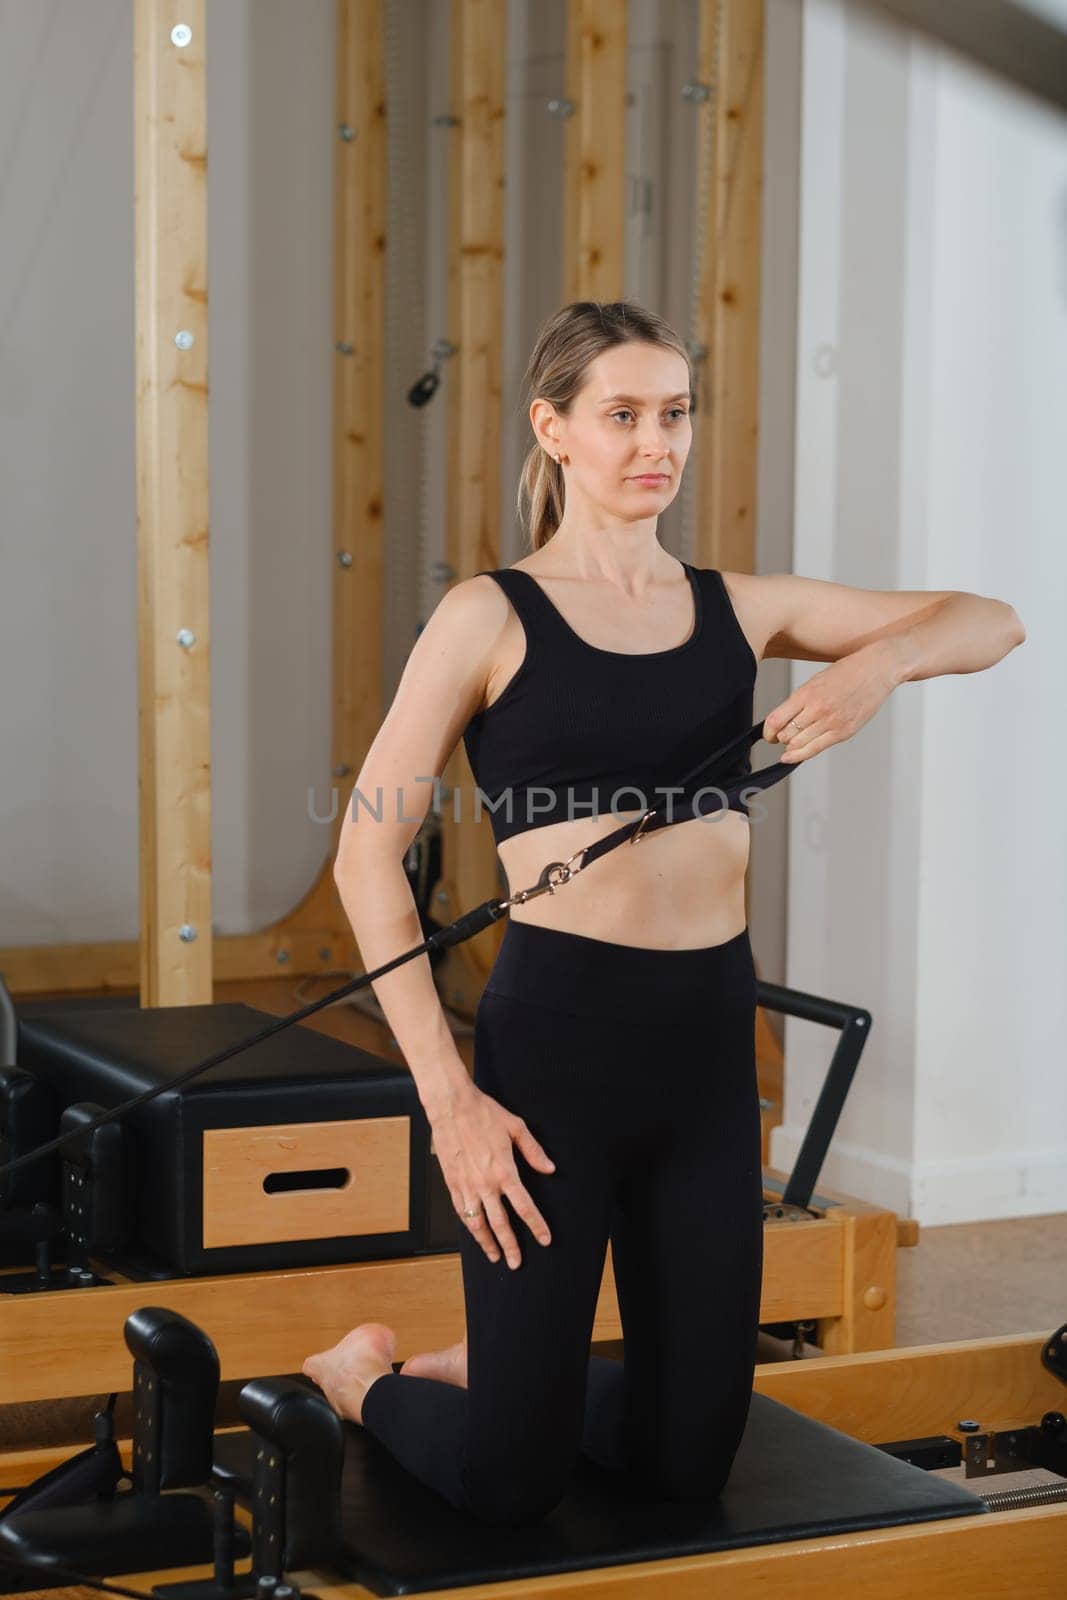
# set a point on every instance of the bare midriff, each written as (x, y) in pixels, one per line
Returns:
(681, 887)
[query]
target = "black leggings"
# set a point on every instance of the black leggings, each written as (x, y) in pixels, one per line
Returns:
(635, 1069)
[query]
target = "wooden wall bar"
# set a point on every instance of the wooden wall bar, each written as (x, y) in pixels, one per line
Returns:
(594, 197)
(170, 256)
(731, 288)
(360, 173)
(478, 47)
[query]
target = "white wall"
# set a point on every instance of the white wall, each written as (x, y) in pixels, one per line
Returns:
(928, 860)
(68, 714)
(68, 709)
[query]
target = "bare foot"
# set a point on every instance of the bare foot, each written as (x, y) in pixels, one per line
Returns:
(346, 1372)
(449, 1366)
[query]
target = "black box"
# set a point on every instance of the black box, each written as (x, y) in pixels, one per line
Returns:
(209, 1167)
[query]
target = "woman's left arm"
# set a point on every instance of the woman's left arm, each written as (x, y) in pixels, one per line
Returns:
(925, 635)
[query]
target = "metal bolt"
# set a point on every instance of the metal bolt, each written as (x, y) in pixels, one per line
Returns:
(560, 108)
(344, 559)
(186, 933)
(181, 34)
(343, 348)
(696, 92)
(282, 957)
(346, 131)
(341, 770)
(186, 638)
(967, 1426)
(184, 339)
(441, 571)
(324, 955)
(446, 120)
(441, 896)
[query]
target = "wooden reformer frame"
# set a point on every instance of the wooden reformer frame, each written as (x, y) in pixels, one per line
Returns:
(883, 1396)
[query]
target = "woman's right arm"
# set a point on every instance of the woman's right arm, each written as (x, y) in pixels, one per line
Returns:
(441, 687)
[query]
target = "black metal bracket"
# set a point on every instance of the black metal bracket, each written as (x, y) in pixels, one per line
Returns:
(855, 1023)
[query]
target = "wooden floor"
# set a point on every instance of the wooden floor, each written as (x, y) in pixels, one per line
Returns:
(977, 1279)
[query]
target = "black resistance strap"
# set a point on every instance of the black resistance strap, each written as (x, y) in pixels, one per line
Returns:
(684, 800)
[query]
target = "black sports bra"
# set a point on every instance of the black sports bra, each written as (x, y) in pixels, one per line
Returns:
(581, 732)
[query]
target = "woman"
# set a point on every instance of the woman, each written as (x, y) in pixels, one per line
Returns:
(614, 1042)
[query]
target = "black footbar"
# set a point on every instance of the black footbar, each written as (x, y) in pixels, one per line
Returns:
(74, 1520)
(684, 802)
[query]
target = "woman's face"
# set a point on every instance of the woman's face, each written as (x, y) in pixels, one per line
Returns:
(629, 420)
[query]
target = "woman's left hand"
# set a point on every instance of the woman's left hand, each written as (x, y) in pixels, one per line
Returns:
(832, 705)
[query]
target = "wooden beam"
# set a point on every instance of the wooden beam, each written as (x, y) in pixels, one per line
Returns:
(314, 937)
(358, 387)
(920, 1388)
(174, 718)
(809, 1273)
(730, 292)
(595, 151)
(469, 873)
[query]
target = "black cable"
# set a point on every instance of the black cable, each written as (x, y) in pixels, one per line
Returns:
(463, 928)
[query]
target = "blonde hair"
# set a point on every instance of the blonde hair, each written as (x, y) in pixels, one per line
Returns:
(565, 346)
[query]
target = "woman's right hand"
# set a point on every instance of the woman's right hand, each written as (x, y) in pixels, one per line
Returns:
(473, 1140)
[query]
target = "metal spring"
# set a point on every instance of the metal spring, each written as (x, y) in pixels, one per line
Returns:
(1015, 1499)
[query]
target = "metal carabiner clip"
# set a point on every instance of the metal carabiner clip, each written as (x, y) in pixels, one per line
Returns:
(555, 874)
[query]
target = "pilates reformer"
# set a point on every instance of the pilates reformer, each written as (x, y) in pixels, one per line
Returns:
(895, 1460)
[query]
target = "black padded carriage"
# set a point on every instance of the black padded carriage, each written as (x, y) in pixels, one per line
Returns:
(793, 1478)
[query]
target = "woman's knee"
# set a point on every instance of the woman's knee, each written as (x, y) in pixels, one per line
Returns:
(693, 1482)
(515, 1496)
